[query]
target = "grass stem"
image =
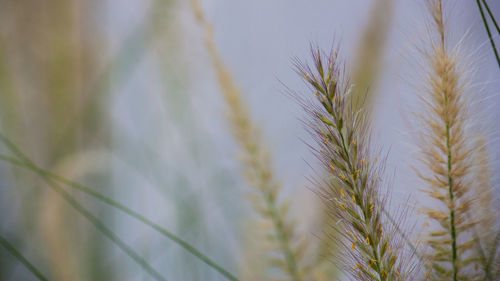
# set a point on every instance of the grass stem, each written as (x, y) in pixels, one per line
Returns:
(485, 22)
(47, 174)
(13, 251)
(491, 16)
(83, 211)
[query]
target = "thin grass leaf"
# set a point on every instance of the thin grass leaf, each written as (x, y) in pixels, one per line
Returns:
(44, 173)
(486, 26)
(491, 16)
(88, 215)
(105, 230)
(13, 251)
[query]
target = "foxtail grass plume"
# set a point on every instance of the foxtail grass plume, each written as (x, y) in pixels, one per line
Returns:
(448, 151)
(351, 190)
(259, 172)
(366, 68)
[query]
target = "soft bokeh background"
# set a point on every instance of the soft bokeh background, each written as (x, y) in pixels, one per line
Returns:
(122, 96)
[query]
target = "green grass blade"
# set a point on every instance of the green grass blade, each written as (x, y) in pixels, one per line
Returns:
(105, 230)
(88, 215)
(485, 22)
(44, 173)
(13, 251)
(491, 16)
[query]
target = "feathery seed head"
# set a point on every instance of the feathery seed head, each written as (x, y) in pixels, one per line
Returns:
(351, 190)
(447, 152)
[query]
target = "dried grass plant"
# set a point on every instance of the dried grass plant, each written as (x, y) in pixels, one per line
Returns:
(358, 233)
(257, 167)
(450, 149)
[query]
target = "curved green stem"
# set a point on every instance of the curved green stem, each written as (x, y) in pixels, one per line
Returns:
(44, 173)
(451, 197)
(104, 229)
(13, 251)
(485, 22)
(82, 210)
(491, 16)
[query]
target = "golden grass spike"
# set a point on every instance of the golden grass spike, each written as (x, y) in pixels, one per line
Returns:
(256, 159)
(447, 157)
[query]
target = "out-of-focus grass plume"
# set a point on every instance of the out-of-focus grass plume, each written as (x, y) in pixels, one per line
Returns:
(285, 249)
(49, 55)
(370, 54)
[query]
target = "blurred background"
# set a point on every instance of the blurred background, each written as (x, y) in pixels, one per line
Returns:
(122, 96)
